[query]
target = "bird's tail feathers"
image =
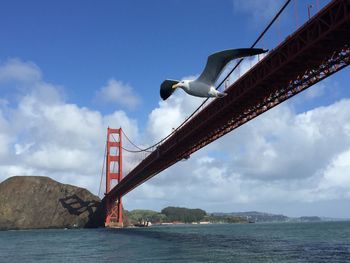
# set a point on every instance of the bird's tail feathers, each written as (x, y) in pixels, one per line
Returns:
(166, 88)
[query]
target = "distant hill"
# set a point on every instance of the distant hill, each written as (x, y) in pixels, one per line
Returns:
(168, 214)
(261, 217)
(179, 214)
(186, 215)
(139, 215)
(182, 214)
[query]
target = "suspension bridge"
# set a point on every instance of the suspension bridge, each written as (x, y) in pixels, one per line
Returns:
(315, 51)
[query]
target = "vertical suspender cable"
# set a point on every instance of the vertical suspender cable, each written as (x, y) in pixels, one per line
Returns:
(103, 168)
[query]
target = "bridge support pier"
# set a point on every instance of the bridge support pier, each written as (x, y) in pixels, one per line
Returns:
(114, 206)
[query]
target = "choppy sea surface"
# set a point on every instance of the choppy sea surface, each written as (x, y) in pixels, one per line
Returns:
(283, 242)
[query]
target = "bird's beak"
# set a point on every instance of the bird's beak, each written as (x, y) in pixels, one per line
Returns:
(175, 86)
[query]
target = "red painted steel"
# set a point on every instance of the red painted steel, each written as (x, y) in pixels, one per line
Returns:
(315, 51)
(114, 210)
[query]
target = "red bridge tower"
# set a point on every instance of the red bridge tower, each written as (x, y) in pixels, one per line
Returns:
(114, 209)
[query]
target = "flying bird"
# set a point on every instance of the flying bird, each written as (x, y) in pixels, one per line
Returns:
(203, 86)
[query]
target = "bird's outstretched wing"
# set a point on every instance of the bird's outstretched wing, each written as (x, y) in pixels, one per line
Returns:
(217, 61)
(166, 88)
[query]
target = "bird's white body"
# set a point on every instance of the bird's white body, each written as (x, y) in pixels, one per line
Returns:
(199, 89)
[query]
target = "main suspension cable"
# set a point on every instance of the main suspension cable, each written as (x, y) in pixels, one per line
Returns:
(140, 150)
(218, 86)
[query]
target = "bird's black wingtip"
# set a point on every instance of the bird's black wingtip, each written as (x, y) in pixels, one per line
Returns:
(166, 88)
(163, 96)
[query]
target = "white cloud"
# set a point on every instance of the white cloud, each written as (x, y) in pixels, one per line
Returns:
(170, 114)
(118, 92)
(19, 71)
(259, 10)
(41, 134)
(285, 146)
(22, 148)
(190, 77)
(5, 136)
(336, 176)
(316, 91)
(277, 159)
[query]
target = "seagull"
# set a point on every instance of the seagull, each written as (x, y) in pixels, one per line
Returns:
(203, 86)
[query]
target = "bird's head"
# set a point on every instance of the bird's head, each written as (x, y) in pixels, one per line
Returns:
(183, 84)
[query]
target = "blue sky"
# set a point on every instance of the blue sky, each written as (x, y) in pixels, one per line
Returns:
(81, 44)
(69, 69)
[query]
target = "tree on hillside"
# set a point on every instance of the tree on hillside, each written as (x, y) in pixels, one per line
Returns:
(183, 214)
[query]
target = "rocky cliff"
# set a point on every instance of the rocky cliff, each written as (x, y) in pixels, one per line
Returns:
(28, 202)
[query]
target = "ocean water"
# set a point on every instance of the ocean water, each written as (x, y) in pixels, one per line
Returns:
(283, 242)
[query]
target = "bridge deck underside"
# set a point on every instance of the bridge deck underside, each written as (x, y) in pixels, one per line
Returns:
(315, 51)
